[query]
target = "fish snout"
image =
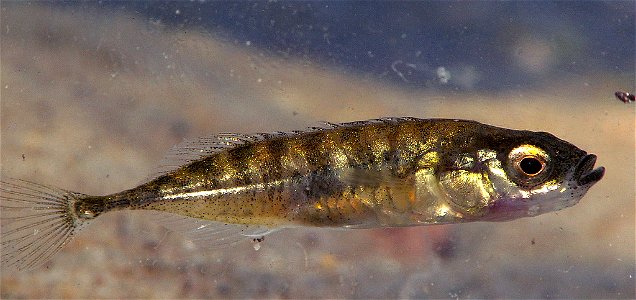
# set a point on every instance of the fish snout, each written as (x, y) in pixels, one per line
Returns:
(585, 174)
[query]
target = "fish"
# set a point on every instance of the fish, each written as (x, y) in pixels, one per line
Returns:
(390, 172)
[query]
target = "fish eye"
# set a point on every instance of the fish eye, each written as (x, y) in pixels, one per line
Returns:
(530, 165)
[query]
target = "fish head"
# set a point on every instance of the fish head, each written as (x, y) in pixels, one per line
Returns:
(514, 174)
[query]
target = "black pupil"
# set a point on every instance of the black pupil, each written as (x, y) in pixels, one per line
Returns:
(530, 165)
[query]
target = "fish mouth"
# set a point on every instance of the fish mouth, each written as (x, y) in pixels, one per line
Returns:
(584, 173)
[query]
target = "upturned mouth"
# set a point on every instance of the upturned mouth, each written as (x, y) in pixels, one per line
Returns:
(585, 172)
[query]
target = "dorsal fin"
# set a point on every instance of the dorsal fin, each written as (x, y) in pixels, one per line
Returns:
(388, 120)
(189, 151)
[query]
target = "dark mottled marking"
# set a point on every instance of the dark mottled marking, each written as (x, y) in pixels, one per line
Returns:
(240, 158)
(312, 146)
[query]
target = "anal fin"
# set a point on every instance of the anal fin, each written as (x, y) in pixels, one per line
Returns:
(209, 234)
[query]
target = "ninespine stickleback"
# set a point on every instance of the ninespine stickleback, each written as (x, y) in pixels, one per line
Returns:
(379, 173)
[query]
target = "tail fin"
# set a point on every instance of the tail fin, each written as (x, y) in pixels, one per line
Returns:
(36, 221)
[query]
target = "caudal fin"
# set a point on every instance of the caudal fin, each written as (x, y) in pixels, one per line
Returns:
(36, 221)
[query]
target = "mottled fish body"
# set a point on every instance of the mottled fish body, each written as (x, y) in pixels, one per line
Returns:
(379, 173)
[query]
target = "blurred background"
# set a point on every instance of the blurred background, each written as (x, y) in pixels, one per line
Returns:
(93, 94)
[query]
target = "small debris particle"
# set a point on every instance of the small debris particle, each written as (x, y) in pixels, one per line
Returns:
(443, 75)
(257, 242)
(532, 242)
(625, 97)
(23, 157)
